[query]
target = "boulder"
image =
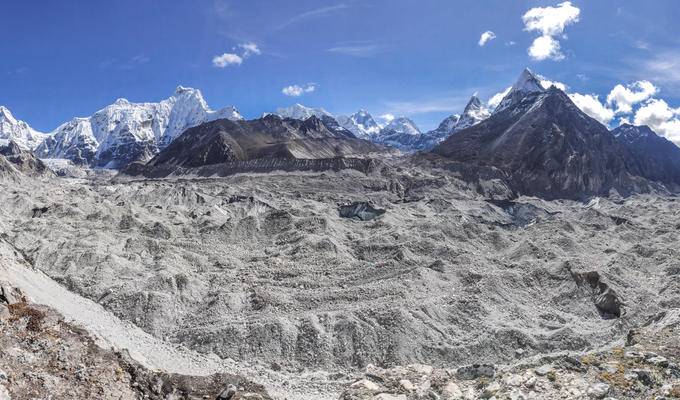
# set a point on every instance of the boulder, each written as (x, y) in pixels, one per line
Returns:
(475, 371)
(360, 210)
(228, 393)
(598, 391)
(10, 295)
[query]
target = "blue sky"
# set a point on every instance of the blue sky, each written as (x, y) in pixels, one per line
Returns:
(421, 58)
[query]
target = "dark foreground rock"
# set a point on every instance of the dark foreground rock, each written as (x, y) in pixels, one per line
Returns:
(42, 357)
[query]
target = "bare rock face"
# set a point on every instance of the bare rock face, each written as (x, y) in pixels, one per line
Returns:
(657, 157)
(264, 144)
(22, 160)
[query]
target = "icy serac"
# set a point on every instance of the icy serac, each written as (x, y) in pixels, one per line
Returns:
(526, 84)
(12, 129)
(124, 132)
(361, 124)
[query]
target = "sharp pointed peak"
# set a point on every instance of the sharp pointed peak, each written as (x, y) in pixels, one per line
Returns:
(528, 82)
(474, 101)
(6, 114)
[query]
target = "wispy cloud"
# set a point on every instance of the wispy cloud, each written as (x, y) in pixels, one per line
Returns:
(249, 49)
(662, 67)
(358, 49)
(129, 63)
(313, 14)
(17, 71)
(450, 104)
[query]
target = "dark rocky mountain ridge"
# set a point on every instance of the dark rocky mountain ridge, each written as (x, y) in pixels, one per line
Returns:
(268, 143)
(657, 158)
(549, 148)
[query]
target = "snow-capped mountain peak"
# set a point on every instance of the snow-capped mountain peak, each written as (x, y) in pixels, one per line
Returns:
(12, 129)
(361, 124)
(402, 125)
(124, 131)
(298, 111)
(527, 83)
(474, 113)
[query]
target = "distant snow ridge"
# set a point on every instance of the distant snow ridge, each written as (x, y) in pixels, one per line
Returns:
(20, 132)
(361, 124)
(300, 112)
(125, 132)
(402, 126)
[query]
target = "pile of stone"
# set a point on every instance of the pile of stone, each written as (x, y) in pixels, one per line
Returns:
(615, 374)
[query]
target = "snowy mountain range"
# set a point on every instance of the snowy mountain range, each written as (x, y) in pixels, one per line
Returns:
(118, 134)
(300, 112)
(400, 132)
(361, 124)
(124, 132)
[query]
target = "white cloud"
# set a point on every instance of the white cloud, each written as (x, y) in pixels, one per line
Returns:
(591, 105)
(249, 49)
(387, 117)
(545, 48)
(624, 97)
(227, 59)
(297, 90)
(662, 118)
(486, 36)
(496, 99)
(547, 83)
(550, 22)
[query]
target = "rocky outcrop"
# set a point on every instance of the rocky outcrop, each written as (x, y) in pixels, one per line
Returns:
(604, 297)
(42, 356)
(625, 373)
(23, 161)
